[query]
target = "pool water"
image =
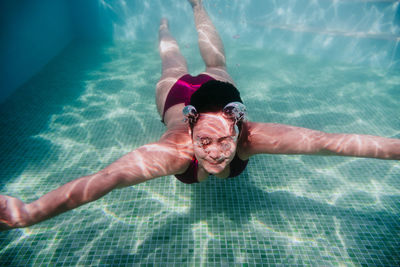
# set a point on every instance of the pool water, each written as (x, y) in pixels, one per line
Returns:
(95, 102)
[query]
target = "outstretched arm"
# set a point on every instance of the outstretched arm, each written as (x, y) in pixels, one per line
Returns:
(144, 163)
(274, 138)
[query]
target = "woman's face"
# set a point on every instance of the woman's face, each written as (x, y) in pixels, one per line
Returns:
(214, 141)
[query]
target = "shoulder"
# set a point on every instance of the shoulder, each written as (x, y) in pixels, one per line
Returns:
(179, 143)
(176, 134)
(259, 137)
(249, 130)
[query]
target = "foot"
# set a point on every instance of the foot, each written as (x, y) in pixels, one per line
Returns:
(163, 24)
(195, 2)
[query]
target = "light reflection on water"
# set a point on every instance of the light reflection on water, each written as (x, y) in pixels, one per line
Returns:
(285, 210)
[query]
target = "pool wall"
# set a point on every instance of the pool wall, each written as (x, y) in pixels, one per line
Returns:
(357, 31)
(34, 32)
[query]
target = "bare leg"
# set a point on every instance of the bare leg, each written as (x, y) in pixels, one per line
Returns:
(210, 44)
(173, 64)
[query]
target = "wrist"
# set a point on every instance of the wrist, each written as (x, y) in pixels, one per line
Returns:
(30, 214)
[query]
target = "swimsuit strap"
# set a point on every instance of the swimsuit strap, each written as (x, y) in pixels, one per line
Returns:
(190, 175)
(237, 166)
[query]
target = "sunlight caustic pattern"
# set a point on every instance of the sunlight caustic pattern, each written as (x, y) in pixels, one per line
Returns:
(347, 30)
(283, 210)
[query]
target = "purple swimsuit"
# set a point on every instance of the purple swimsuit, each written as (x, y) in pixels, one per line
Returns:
(183, 89)
(181, 92)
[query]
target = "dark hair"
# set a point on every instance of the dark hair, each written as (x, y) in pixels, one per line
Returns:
(214, 96)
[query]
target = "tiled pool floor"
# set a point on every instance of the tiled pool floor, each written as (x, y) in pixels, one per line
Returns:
(93, 103)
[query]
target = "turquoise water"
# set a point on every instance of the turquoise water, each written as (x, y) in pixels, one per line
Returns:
(95, 102)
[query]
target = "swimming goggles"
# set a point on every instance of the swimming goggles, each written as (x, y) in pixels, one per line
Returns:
(234, 110)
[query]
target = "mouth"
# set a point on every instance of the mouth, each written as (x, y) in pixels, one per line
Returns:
(214, 163)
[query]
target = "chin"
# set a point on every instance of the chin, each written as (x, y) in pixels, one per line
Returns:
(214, 169)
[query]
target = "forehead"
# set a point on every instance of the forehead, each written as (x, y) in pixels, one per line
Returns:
(213, 125)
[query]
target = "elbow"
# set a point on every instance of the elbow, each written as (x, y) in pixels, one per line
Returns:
(120, 178)
(110, 178)
(330, 144)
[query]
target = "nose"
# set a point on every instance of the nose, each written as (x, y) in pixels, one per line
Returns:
(214, 152)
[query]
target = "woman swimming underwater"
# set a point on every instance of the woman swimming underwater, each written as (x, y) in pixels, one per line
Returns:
(210, 136)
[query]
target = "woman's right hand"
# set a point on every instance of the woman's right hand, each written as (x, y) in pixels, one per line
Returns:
(13, 213)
